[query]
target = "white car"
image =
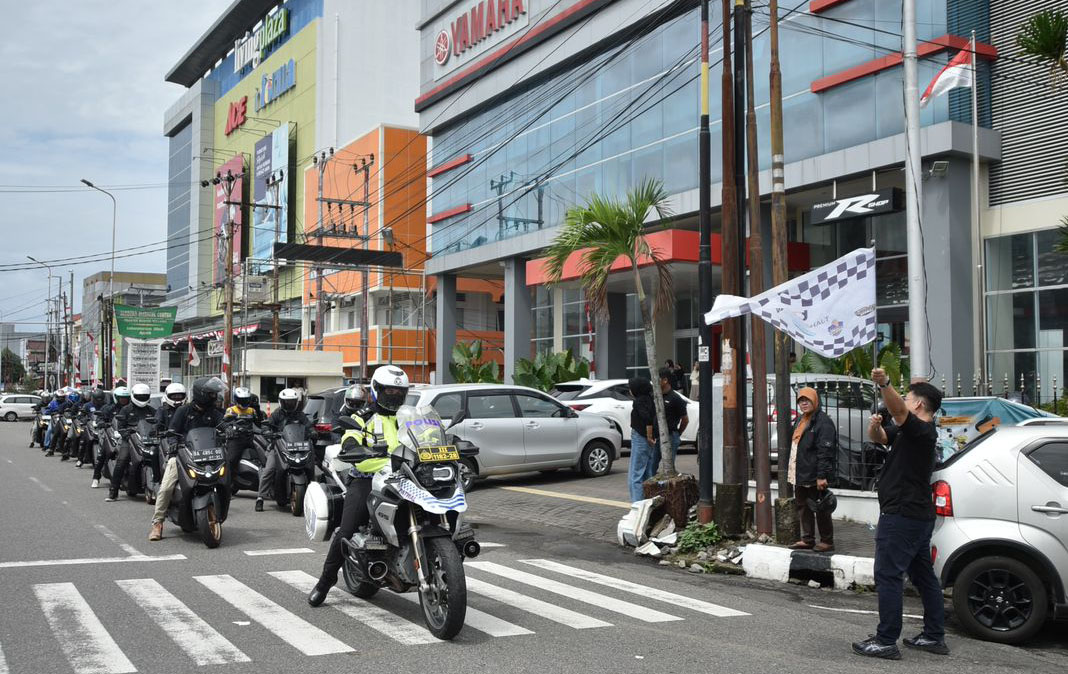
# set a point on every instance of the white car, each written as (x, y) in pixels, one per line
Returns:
(611, 399)
(18, 406)
(1001, 533)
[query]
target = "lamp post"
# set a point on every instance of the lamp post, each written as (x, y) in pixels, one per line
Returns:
(111, 279)
(48, 325)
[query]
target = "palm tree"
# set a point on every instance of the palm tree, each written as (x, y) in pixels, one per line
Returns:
(1062, 245)
(602, 231)
(1044, 37)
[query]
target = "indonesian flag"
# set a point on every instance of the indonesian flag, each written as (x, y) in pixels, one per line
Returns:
(957, 73)
(194, 357)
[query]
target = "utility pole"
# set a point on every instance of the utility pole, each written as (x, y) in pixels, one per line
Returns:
(705, 502)
(365, 166)
(320, 306)
(274, 184)
(786, 517)
(919, 350)
(228, 182)
(70, 333)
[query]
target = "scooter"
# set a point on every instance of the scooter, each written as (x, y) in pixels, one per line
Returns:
(39, 428)
(145, 453)
(108, 439)
(296, 469)
(201, 498)
(246, 475)
(61, 428)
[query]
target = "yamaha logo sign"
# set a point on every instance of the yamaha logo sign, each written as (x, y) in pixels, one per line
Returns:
(442, 47)
(474, 29)
(874, 203)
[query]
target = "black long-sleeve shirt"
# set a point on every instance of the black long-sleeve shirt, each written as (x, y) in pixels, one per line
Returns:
(279, 418)
(190, 416)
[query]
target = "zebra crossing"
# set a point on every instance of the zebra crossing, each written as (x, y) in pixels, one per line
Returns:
(551, 591)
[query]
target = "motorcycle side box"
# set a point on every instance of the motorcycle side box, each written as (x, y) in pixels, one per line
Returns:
(323, 503)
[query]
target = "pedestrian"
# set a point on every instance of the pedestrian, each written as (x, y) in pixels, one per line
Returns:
(671, 367)
(642, 435)
(676, 415)
(695, 381)
(906, 520)
(812, 449)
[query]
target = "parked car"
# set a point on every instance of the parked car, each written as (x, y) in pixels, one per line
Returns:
(611, 399)
(322, 409)
(1001, 534)
(18, 406)
(519, 429)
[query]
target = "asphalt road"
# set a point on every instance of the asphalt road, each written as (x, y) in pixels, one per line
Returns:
(82, 590)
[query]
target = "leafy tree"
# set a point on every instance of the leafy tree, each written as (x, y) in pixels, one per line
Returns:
(601, 232)
(1045, 37)
(469, 367)
(12, 366)
(857, 363)
(549, 369)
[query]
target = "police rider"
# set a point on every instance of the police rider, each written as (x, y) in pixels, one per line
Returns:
(104, 416)
(289, 412)
(202, 412)
(242, 408)
(377, 423)
(126, 421)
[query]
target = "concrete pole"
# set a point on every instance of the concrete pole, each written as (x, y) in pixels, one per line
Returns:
(919, 349)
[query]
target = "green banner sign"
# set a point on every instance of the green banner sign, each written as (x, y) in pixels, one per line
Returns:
(140, 323)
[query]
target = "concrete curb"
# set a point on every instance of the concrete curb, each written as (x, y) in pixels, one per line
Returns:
(768, 562)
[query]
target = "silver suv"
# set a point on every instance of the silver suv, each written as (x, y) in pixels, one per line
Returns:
(1001, 536)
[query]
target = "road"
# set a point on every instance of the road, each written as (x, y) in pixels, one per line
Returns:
(83, 591)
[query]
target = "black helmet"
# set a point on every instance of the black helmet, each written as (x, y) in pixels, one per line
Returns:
(207, 391)
(99, 398)
(825, 502)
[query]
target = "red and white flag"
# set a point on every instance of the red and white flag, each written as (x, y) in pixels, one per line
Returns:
(194, 357)
(957, 73)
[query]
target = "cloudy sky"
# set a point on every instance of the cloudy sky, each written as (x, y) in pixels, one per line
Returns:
(85, 97)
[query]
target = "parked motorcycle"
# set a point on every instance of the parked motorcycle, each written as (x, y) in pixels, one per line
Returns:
(201, 498)
(243, 432)
(416, 537)
(296, 468)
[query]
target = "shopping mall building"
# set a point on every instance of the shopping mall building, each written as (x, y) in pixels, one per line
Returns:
(533, 105)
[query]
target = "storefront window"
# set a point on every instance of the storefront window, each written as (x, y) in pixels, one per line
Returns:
(578, 325)
(541, 301)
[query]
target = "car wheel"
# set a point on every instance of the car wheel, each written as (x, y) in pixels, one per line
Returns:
(596, 459)
(1000, 599)
(11, 416)
(468, 474)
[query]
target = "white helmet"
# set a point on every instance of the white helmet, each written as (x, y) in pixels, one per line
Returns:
(174, 395)
(141, 394)
(242, 396)
(289, 399)
(121, 392)
(389, 387)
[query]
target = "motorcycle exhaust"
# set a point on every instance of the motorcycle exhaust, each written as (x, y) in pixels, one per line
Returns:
(472, 549)
(377, 570)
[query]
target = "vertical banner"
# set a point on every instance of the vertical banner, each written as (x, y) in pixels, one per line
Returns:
(142, 362)
(223, 214)
(271, 224)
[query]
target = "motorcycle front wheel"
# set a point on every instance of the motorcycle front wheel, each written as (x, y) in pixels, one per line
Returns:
(146, 479)
(355, 586)
(296, 500)
(444, 601)
(209, 527)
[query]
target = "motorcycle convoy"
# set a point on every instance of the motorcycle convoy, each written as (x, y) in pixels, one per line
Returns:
(400, 456)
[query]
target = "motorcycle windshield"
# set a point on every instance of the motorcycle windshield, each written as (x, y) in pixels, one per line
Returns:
(200, 438)
(145, 427)
(293, 435)
(421, 429)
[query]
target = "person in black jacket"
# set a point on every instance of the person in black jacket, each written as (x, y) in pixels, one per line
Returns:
(815, 441)
(289, 411)
(643, 434)
(126, 421)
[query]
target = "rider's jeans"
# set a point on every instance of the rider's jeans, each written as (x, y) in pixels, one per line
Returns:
(166, 490)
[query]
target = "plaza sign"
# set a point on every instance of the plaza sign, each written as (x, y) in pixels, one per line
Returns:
(253, 48)
(874, 203)
(473, 31)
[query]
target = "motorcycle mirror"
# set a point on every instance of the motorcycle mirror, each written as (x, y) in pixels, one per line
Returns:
(457, 418)
(347, 422)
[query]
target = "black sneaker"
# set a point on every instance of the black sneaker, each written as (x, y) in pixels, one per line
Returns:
(922, 642)
(111, 498)
(871, 648)
(259, 505)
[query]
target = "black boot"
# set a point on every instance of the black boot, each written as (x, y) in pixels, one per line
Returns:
(317, 596)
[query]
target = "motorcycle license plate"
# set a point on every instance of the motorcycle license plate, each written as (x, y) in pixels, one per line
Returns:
(435, 454)
(296, 446)
(208, 454)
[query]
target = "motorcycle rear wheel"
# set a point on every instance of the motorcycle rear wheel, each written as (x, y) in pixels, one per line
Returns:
(209, 527)
(445, 601)
(355, 586)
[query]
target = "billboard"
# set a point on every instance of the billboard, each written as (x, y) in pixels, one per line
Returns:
(145, 323)
(270, 224)
(223, 214)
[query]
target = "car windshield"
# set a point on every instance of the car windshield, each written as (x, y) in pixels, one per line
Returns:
(313, 407)
(568, 391)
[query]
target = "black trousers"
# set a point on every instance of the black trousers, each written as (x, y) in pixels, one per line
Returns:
(122, 461)
(235, 449)
(810, 520)
(354, 515)
(85, 455)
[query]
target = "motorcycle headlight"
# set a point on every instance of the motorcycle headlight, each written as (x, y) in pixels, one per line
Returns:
(192, 473)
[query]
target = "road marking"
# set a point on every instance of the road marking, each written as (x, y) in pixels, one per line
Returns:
(277, 551)
(297, 632)
(860, 611)
(82, 637)
(126, 547)
(393, 626)
(483, 622)
(569, 497)
(40, 484)
(92, 560)
(536, 606)
(3, 662)
(634, 588)
(608, 603)
(198, 639)
(9, 460)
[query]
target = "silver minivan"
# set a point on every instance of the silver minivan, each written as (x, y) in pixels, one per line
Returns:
(17, 406)
(519, 429)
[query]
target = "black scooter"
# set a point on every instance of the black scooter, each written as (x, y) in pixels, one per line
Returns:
(296, 468)
(145, 446)
(242, 431)
(201, 498)
(39, 427)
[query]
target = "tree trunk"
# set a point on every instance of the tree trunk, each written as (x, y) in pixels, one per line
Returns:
(667, 462)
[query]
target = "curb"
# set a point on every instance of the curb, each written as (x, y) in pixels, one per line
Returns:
(767, 562)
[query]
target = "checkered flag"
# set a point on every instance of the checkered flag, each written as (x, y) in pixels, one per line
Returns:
(830, 310)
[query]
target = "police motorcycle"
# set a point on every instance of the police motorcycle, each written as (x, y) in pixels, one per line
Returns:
(416, 538)
(247, 471)
(146, 458)
(201, 499)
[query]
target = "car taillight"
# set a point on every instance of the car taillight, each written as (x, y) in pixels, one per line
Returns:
(934, 553)
(323, 428)
(577, 407)
(943, 499)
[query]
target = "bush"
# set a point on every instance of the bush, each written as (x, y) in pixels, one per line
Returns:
(469, 367)
(696, 537)
(549, 369)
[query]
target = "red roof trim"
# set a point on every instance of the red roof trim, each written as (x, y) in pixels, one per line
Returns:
(449, 165)
(817, 6)
(928, 48)
(443, 215)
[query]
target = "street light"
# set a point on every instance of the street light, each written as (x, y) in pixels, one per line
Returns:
(114, 214)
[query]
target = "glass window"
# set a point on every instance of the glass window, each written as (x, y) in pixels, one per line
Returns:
(1052, 266)
(490, 406)
(536, 407)
(1053, 460)
(802, 126)
(1011, 321)
(621, 392)
(448, 405)
(845, 122)
(680, 163)
(1010, 262)
(1052, 319)
(893, 282)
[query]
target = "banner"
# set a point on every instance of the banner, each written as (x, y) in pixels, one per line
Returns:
(142, 362)
(224, 213)
(830, 310)
(270, 224)
(142, 323)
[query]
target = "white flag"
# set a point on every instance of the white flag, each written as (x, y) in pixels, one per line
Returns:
(830, 310)
(194, 357)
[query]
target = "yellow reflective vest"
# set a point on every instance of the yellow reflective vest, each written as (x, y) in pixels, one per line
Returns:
(371, 431)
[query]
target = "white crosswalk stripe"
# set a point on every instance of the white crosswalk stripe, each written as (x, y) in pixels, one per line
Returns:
(608, 603)
(82, 637)
(483, 622)
(297, 632)
(3, 662)
(393, 626)
(198, 639)
(538, 607)
(634, 588)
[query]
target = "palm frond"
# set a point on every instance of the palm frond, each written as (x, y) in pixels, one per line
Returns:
(1062, 245)
(1044, 37)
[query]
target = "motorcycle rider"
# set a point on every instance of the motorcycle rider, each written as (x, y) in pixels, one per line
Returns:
(93, 403)
(354, 401)
(378, 423)
(46, 400)
(105, 414)
(202, 412)
(54, 407)
(73, 404)
(173, 398)
(242, 408)
(126, 420)
(289, 412)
